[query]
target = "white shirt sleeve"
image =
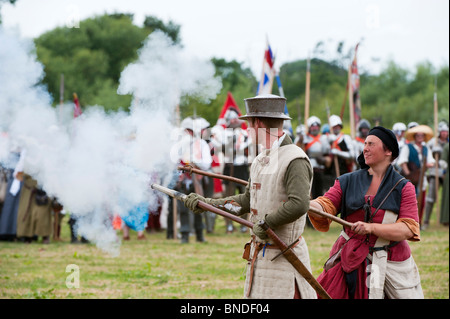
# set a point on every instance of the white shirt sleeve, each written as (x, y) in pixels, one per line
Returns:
(403, 156)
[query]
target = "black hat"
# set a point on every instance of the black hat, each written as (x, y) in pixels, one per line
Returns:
(387, 137)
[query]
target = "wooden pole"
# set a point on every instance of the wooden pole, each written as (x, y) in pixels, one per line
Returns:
(307, 93)
(335, 158)
(174, 200)
(344, 103)
(261, 80)
(423, 168)
(191, 170)
(351, 104)
(271, 80)
(436, 156)
(175, 217)
(331, 217)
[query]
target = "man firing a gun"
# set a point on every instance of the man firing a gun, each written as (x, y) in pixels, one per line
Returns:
(278, 194)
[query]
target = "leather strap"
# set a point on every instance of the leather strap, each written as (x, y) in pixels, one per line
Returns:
(379, 206)
(258, 247)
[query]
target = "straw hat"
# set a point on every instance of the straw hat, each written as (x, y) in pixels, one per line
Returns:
(425, 129)
(267, 105)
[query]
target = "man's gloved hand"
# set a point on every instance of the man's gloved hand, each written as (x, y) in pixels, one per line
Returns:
(259, 231)
(274, 221)
(191, 201)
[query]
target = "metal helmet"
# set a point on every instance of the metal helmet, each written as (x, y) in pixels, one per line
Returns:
(187, 123)
(201, 123)
(399, 126)
(313, 120)
(194, 123)
(335, 120)
(442, 127)
(363, 124)
(231, 114)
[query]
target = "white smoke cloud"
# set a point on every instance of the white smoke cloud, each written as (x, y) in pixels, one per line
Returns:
(164, 73)
(99, 163)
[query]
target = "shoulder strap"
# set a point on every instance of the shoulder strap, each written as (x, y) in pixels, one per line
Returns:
(315, 140)
(382, 202)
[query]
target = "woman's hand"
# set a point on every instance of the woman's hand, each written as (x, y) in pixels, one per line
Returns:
(362, 228)
(394, 232)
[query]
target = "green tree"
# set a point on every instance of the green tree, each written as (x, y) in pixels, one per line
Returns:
(171, 29)
(399, 95)
(91, 58)
(396, 94)
(327, 87)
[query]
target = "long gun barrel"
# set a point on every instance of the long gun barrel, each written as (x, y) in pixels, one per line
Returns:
(190, 169)
(210, 208)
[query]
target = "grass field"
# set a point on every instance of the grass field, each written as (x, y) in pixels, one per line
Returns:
(166, 269)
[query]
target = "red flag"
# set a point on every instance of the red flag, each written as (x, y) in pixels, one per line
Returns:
(77, 108)
(229, 103)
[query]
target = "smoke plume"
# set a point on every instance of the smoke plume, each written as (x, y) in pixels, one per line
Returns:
(99, 164)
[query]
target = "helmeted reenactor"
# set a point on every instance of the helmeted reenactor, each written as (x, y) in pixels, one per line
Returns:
(341, 146)
(399, 130)
(191, 150)
(412, 125)
(363, 129)
(317, 148)
(235, 149)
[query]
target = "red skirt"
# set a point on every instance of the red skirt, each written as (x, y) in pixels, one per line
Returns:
(347, 278)
(335, 282)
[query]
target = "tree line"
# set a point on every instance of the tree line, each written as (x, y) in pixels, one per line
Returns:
(93, 56)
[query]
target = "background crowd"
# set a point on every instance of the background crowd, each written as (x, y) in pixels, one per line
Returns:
(27, 213)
